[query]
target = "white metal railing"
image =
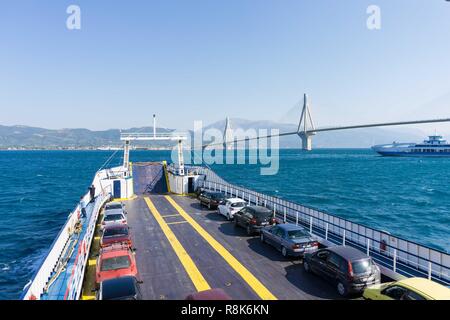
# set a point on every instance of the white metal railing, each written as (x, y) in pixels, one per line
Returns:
(37, 286)
(397, 254)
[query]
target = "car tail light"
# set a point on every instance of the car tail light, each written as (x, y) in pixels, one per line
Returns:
(296, 246)
(103, 223)
(350, 270)
(273, 221)
(253, 221)
(314, 244)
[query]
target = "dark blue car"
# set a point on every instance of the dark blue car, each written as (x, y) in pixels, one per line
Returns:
(290, 239)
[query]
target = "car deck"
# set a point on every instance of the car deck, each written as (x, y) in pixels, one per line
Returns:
(182, 248)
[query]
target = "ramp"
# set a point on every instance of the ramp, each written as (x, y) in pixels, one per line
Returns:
(149, 178)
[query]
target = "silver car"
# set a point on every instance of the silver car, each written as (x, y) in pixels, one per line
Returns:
(114, 216)
(290, 239)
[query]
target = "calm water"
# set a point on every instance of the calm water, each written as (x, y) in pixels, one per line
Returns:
(409, 197)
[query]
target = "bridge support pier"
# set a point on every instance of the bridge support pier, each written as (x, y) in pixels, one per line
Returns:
(306, 141)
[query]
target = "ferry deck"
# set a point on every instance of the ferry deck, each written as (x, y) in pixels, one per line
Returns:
(182, 248)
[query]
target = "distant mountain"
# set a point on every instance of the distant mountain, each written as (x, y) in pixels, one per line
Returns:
(23, 136)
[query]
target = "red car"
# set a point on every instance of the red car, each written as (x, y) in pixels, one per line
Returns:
(115, 261)
(116, 233)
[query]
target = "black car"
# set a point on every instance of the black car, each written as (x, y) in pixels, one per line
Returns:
(254, 218)
(348, 268)
(123, 288)
(211, 199)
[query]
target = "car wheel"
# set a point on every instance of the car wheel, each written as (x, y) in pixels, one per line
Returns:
(284, 252)
(261, 237)
(249, 231)
(306, 266)
(341, 289)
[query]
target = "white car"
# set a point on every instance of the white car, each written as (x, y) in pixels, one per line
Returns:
(113, 216)
(230, 207)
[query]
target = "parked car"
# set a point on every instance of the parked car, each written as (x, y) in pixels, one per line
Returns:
(115, 261)
(290, 239)
(116, 233)
(348, 268)
(114, 205)
(254, 218)
(230, 207)
(198, 191)
(211, 294)
(408, 289)
(211, 199)
(113, 217)
(123, 288)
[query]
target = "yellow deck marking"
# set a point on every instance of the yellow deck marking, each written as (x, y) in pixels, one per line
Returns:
(177, 222)
(248, 277)
(84, 297)
(92, 262)
(187, 262)
(171, 215)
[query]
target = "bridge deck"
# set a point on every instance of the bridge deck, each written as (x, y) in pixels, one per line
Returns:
(166, 277)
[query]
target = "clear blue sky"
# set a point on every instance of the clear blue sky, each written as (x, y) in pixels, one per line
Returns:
(203, 60)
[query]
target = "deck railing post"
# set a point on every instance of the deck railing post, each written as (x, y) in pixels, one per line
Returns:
(296, 219)
(368, 247)
(265, 203)
(226, 190)
(249, 197)
(394, 265)
(310, 225)
(429, 270)
(343, 238)
(215, 186)
(284, 214)
(326, 231)
(209, 184)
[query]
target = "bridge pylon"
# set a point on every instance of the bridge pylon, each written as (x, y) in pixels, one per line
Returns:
(306, 128)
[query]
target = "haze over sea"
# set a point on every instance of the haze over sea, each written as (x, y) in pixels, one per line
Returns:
(408, 197)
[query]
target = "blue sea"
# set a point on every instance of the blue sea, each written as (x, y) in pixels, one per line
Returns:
(409, 197)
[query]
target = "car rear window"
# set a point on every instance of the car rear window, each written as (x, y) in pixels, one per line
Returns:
(238, 204)
(118, 289)
(362, 266)
(113, 217)
(260, 215)
(297, 234)
(116, 232)
(112, 206)
(115, 263)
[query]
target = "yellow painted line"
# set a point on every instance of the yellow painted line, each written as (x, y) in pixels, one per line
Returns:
(84, 297)
(92, 262)
(97, 238)
(124, 199)
(171, 215)
(177, 222)
(187, 262)
(248, 277)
